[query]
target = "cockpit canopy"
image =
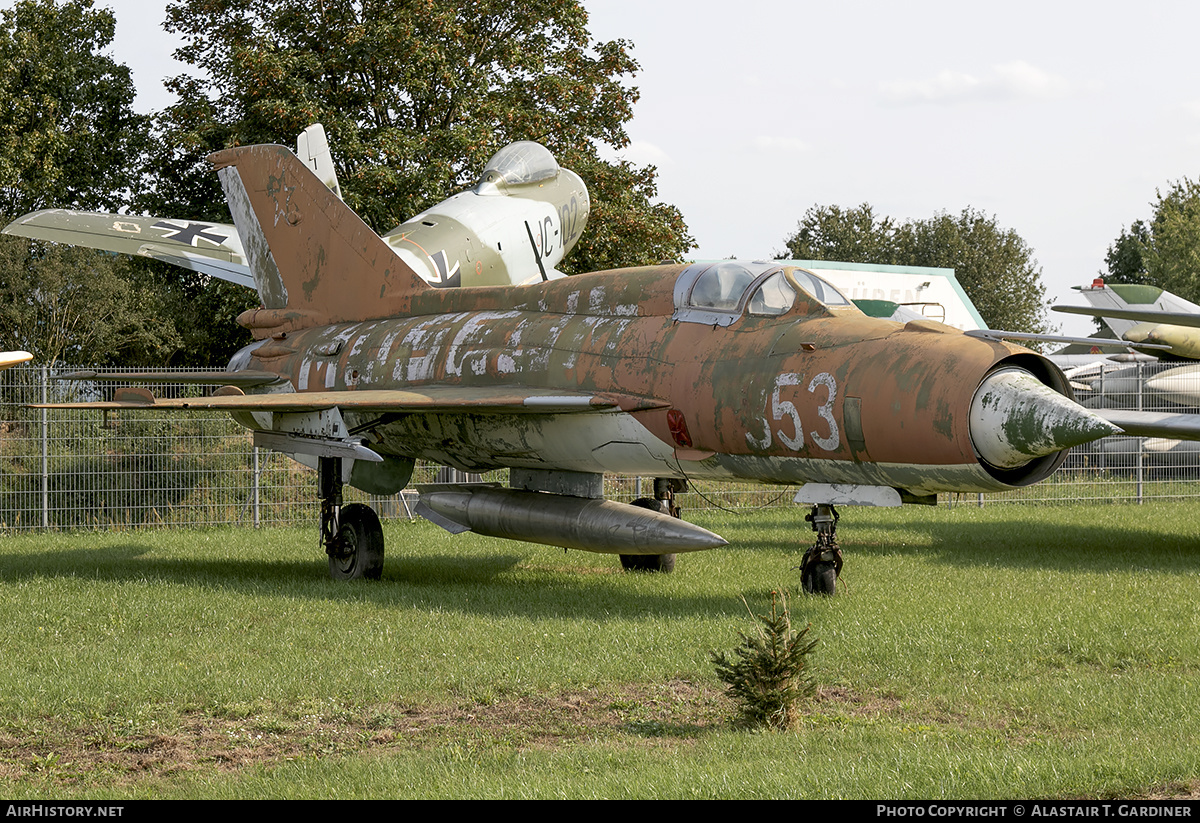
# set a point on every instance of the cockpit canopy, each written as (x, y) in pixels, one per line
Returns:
(719, 293)
(519, 163)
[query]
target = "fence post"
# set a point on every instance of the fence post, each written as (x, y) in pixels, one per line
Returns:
(1141, 451)
(257, 471)
(45, 450)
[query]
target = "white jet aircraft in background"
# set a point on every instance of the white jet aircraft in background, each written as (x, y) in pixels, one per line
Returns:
(513, 227)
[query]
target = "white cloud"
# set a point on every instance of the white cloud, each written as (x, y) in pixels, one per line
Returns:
(1019, 79)
(638, 152)
(642, 153)
(1008, 81)
(789, 145)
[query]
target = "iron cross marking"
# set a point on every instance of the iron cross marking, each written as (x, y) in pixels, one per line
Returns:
(190, 233)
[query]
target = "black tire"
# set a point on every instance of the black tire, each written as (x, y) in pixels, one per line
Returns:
(360, 545)
(820, 578)
(650, 503)
(664, 563)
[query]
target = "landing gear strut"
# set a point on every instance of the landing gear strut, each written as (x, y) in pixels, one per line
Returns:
(664, 503)
(350, 535)
(822, 562)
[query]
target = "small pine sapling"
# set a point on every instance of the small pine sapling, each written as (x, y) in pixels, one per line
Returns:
(767, 677)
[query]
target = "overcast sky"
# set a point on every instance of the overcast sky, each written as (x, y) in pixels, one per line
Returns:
(1059, 118)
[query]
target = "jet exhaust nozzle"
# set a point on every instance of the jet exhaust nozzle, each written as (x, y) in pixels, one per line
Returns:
(1015, 418)
(590, 525)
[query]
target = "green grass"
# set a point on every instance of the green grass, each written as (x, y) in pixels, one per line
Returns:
(997, 652)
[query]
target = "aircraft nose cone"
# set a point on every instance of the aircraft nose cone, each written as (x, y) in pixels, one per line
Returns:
(1016, 418)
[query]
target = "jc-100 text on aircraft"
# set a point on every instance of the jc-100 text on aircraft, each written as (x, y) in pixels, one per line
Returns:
(722, 371)
(514, 226)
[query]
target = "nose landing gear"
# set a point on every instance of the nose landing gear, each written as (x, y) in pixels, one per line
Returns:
(822, 562)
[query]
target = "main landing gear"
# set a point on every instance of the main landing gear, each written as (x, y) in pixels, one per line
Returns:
(663, 502)
(351, 535)
(822, 562)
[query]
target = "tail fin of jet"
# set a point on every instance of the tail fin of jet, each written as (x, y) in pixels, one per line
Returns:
(311, 256)
(1131, 296)
(312, 147)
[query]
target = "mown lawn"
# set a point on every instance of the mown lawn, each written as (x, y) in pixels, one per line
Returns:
(1008, 651)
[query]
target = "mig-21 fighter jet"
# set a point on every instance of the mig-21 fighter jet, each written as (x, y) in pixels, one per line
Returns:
(711, 371)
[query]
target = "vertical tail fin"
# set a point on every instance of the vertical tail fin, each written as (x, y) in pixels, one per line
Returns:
(1130, 296)
(312, 147)
(309, 253)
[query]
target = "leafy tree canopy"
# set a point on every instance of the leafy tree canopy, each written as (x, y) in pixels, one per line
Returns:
(994, 265)
(1125, 261)
(68, 134)
(69, 138)
(75, 305)
(854, 235)
(1164, 251)
(415, 96)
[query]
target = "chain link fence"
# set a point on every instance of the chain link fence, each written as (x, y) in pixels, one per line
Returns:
(80, 469)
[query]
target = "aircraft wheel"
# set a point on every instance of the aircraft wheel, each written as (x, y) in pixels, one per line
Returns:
(664, 563)
(819, 577)
(360, 545)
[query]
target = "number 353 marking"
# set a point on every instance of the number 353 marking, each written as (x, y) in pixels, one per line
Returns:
(781, 409)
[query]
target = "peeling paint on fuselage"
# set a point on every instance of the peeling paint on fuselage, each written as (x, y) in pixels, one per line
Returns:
(765, 395)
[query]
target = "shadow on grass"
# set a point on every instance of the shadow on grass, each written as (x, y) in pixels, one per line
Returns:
(1154, 537)
(427, 569)
(484, 583)
(136, 561)
(1057, 547)
(1041, 543)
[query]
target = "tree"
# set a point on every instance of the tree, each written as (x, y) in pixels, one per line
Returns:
(1165, 251)
(69, 138)
(75, 305)
(769, 675)
(68, 134)
(1173, 253)
(1125, 261)
(415, 96)
(994, 265)
(201, 312)
(852, 235)
(626, 227)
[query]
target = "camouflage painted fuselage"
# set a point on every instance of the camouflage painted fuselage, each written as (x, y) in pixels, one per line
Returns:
(813, 395)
